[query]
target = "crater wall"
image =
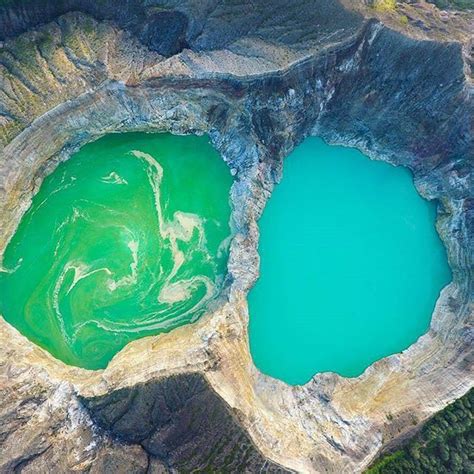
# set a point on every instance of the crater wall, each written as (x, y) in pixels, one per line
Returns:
(359, 84)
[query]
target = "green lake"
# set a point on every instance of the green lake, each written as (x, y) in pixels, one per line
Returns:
(126, 239)
(351, 265)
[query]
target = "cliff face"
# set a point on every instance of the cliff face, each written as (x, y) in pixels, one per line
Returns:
(132, 15)
(182, 422)
(258, 82)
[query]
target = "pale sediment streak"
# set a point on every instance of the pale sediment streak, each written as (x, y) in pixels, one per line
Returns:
(180, 228)
(57, 308)
(174, 300)
(113, 178)
(133, 277)
(81, 271)
(11, 270)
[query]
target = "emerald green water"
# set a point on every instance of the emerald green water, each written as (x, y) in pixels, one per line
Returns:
(351, 265)
(126, 239)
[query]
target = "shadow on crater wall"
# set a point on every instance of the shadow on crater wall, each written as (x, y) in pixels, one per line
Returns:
(181, 422)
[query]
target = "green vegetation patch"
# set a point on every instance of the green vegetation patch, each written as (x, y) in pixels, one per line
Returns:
(383, 5)
(444, 445)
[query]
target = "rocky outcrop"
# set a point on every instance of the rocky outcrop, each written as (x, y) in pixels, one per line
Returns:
(420, 19)
(181, 421)
(258, 92)
(162, 30)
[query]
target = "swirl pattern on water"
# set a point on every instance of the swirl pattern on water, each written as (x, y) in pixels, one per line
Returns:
(128, 238)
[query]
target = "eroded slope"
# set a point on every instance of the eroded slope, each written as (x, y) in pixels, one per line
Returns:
(398, 99)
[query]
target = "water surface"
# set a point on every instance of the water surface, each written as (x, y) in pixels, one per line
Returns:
(351, 265)
(127, 238)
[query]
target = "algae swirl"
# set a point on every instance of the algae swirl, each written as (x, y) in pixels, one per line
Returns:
(126, 239)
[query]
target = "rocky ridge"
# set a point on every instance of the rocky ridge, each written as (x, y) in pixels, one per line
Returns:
(258, 92)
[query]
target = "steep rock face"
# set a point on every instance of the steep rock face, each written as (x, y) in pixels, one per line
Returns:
(18, 17)
(167, 26)
(181, 422)
(405, 101)
(420, 19)
(45, 68)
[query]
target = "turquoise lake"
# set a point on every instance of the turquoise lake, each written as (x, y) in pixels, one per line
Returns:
(351, 265)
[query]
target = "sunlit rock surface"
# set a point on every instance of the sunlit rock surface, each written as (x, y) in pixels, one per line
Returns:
(257, 85)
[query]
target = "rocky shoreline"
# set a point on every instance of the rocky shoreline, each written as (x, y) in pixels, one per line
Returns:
(358, 83)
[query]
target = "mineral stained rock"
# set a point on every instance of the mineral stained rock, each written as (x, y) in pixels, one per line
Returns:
(258, 77)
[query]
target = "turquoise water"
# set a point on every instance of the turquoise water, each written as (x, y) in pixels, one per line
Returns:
(351, 265)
